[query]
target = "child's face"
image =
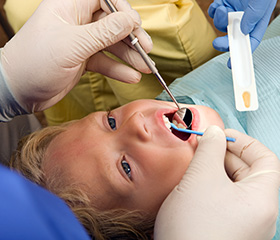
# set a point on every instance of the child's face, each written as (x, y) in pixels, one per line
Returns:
(135, 165)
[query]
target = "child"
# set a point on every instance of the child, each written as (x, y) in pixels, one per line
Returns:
(108, 166)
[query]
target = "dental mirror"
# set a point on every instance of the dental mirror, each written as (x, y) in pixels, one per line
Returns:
(185, 114)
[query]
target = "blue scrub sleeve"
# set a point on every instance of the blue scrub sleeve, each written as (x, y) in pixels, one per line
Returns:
(30, 212)
(9, 108)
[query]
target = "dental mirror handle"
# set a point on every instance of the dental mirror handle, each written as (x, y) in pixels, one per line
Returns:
(145, 57)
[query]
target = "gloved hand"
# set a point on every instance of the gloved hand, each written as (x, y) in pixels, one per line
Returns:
(256, 17)
(47, 57)
(207, 204)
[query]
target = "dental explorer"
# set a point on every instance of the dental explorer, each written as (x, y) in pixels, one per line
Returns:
(134, 41)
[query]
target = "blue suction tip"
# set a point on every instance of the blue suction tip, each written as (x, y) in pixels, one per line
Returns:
(196, 132)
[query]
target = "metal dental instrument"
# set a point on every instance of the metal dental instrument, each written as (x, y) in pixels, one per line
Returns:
(134, 41)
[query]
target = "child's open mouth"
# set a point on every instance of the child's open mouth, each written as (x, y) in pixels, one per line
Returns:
(167, 118)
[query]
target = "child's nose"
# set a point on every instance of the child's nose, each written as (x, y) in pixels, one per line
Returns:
(136, 127)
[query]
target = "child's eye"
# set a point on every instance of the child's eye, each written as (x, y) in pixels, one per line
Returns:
(126, 168)
(111, 121)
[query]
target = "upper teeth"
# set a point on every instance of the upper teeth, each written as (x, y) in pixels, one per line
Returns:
(166, 122)
(168, 125)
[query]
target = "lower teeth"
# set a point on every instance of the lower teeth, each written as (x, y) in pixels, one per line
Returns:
(178, 125)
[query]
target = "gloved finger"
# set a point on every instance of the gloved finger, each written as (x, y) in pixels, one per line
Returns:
(221, 44)
(258, 32)
(147, 44)
(236, 168)
(200, 183)
(255, 13)
(144, 39)
(99, 15)
(112, 29)
(262, 164)
(254, 43)
(257, 26)
(129, 55)
(208, 161)
(120, 5)
(107, 66)
(244, 147)
(229, 63)
(249, 20)
(250, 150)
(221, 18)
(213, 6)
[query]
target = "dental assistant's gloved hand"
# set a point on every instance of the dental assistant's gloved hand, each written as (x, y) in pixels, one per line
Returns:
(207, 204)
(256, 18)
(47, 57)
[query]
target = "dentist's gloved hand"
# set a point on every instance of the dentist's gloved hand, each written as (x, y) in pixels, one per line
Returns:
(211, 204)
(47, 57)
(255, 20)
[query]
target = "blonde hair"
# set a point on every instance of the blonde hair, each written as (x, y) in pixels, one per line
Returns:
(110, 224)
